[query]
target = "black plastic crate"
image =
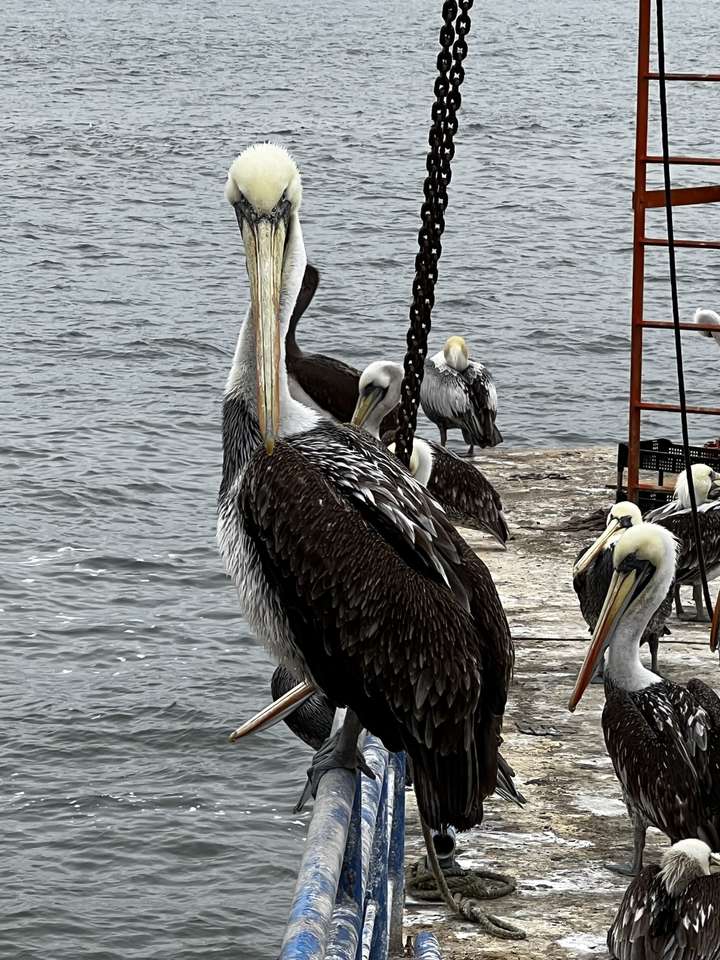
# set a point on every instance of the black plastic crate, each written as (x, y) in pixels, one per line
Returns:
(661, 456)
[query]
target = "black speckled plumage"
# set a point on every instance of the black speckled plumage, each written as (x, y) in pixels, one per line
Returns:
(664, 743)
(679, 523)
(465, 494)
(653, 925)
(394, 615)
(331, 384)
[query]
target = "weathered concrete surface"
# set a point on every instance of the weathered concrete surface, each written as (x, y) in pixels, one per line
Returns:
(574, 820)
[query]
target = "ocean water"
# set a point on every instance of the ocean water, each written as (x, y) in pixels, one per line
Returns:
(131, 828)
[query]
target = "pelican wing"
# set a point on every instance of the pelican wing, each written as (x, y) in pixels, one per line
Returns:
(680, 524)
(480, 423)
(657, 740)
(392, 612)
(465, 494)
(632, 922)
(652, 925)
(444, 394)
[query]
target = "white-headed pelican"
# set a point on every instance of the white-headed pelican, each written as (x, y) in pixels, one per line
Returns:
(663, 738)
(458, 393)
(345, 567)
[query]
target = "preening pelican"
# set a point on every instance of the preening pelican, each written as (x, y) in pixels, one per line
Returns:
(593, 572)
(671, 912)
(345, 567)
(703, 315)
(677, 518)
(663, 738)
(325, 384)
(466, 496)
(458, 393)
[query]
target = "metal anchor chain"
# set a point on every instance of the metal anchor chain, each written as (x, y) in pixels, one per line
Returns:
(451, 73)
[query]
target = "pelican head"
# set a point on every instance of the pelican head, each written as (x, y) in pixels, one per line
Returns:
(421, 463)
(622, 516)
(378, 394)
(264, 189)
(456, 353)
(644, 562)
(705, 480)
(703, 315)
(686, 861)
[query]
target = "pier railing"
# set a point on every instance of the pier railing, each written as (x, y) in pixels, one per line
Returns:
(349, 895)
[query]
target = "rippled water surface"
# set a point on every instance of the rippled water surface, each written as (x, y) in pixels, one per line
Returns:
(131, 828)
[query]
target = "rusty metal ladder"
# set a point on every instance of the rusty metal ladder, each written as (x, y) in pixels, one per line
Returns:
(644, 199)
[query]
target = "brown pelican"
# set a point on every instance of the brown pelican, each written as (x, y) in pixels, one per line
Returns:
(663, 738)
(312, 722)
(677, 518)
(345, 567)
(459, 394)
(703, 315)
(671, 912)
(466, 496)
(593, 572)
(322, 383)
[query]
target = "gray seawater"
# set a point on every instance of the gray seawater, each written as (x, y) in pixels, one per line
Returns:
(130, 827)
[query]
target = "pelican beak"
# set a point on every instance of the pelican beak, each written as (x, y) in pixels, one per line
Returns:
(619, 595)
(715, 626)
(367, 401)
(597, 547)
(277, 711)
(715, 863)
(264, 239)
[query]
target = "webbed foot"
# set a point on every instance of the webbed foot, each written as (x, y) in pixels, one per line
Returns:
(339, 752)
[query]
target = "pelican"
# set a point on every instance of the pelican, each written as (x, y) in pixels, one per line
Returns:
(707, 486)
(677, 518)
(671, 912)
(322, 383)
(459, 394)
(663, 738)
(344, 566)
(703, 315)
(466, 496)
(312, 722)
(593, 572)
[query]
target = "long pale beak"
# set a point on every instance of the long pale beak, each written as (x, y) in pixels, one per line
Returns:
(715, 863)
(278, 710)
(264, 242)
(616, 602)
(599, 545)
(715, 626)
(365, 406)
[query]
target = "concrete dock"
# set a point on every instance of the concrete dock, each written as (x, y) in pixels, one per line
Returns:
(574, 820)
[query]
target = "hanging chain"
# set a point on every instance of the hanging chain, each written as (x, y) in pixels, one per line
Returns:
(453, 50)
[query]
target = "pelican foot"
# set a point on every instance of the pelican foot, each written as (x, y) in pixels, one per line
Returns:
(337, 753)
(623, 869)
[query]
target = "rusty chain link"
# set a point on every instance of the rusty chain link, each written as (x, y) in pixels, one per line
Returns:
(453, 50)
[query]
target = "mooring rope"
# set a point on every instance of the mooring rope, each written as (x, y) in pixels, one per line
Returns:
(453, 50)
(461, 890)
(675, 303)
